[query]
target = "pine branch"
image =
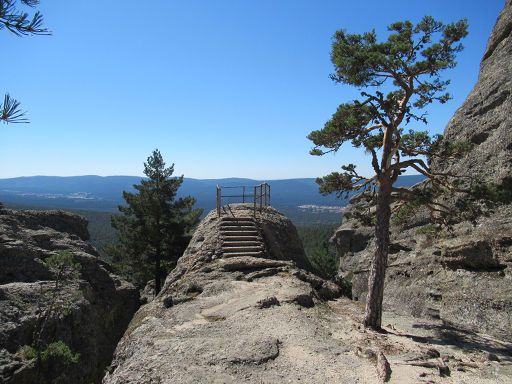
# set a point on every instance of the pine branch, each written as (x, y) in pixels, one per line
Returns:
(21, 23)
(11, 112)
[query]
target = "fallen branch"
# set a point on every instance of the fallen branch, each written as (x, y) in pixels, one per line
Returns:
(441, 367)
(383, 367)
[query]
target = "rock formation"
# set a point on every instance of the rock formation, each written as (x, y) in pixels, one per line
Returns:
(484, 117)
(101, 303)
(227, 318)
(230, 319)
(462, 277)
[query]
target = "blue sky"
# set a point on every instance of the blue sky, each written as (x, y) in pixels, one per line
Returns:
(222, 88)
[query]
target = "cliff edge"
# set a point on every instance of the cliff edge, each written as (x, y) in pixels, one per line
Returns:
(100, 303)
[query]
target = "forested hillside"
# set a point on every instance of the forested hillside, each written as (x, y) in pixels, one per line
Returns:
(96, 193)
(313, 234)
(315, 239)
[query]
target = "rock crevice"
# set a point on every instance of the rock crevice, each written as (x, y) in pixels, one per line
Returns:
(100, 303)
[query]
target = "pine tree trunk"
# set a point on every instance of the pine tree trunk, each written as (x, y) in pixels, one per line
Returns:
(373, 311)
(158, 258)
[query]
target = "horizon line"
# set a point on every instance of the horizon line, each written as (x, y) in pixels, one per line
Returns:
(185, 177)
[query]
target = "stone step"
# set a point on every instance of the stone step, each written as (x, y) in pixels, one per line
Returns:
(241, 254)
(242, 238)
(229, 218)
(229, 227)
(242, 243)
(238, 222)
(242, 249)
(240, 233)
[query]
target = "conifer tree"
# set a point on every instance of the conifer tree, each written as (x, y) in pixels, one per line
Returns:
(397, 78)
(155, 226)
(19, 23)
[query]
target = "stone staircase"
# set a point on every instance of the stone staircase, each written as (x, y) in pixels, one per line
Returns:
(241, 237)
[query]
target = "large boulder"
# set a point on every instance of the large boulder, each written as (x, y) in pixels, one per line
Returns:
(233, 319)
(100, 304)
(462, 276)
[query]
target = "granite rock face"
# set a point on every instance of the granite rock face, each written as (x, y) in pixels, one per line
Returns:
(101, 303)
(463, 277)
(246, 319)
(484, 118)
(233, 319)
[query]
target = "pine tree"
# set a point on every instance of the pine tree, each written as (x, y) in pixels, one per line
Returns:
(398, 78)
(21, 24)
(155, 226)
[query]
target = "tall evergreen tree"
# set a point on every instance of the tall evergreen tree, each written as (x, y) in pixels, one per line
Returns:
(19, 23)
(155, 226)
(398, 78)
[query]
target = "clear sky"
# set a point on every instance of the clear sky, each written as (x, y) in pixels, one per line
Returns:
(222, 88)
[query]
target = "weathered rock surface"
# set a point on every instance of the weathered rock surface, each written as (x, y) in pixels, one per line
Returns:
(251, 319)
(234, 319)
(484, 118)
(262, 320)
(102, 304)
(462, 277)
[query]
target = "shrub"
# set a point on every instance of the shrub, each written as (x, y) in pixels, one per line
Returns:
(59, 351)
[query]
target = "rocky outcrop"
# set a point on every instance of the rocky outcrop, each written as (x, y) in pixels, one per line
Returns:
(230, 319)
(461, 277)
(247, 319)
(484, 117)
(100, 303)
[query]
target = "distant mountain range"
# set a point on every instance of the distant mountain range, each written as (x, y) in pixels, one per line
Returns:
(105, 193)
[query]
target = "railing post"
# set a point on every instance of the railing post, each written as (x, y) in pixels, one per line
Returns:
(255, 191)
(243, 194)
(269, 194)
(261, 196)
(218, 200)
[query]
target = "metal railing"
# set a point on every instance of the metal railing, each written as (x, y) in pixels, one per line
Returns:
(258, 196)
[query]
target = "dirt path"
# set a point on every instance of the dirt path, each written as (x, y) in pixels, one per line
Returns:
(424, 351)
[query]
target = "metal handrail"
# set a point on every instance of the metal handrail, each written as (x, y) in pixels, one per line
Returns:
(263, 197)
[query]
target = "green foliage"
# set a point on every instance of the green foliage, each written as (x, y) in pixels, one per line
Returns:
(322, 256)
(63, 265)
(493, 194)
(27, 352)
(59, 351)
(472, 199)
(154, 227)
(480, 199)
(408, 64)
(51, 361)
(360, 211)
(20, 23)
(429, 230)
(101, 231)
(52, 357)
(56, 303)
(405, 212)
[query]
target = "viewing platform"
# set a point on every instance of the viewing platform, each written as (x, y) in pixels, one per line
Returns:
(257, 197)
